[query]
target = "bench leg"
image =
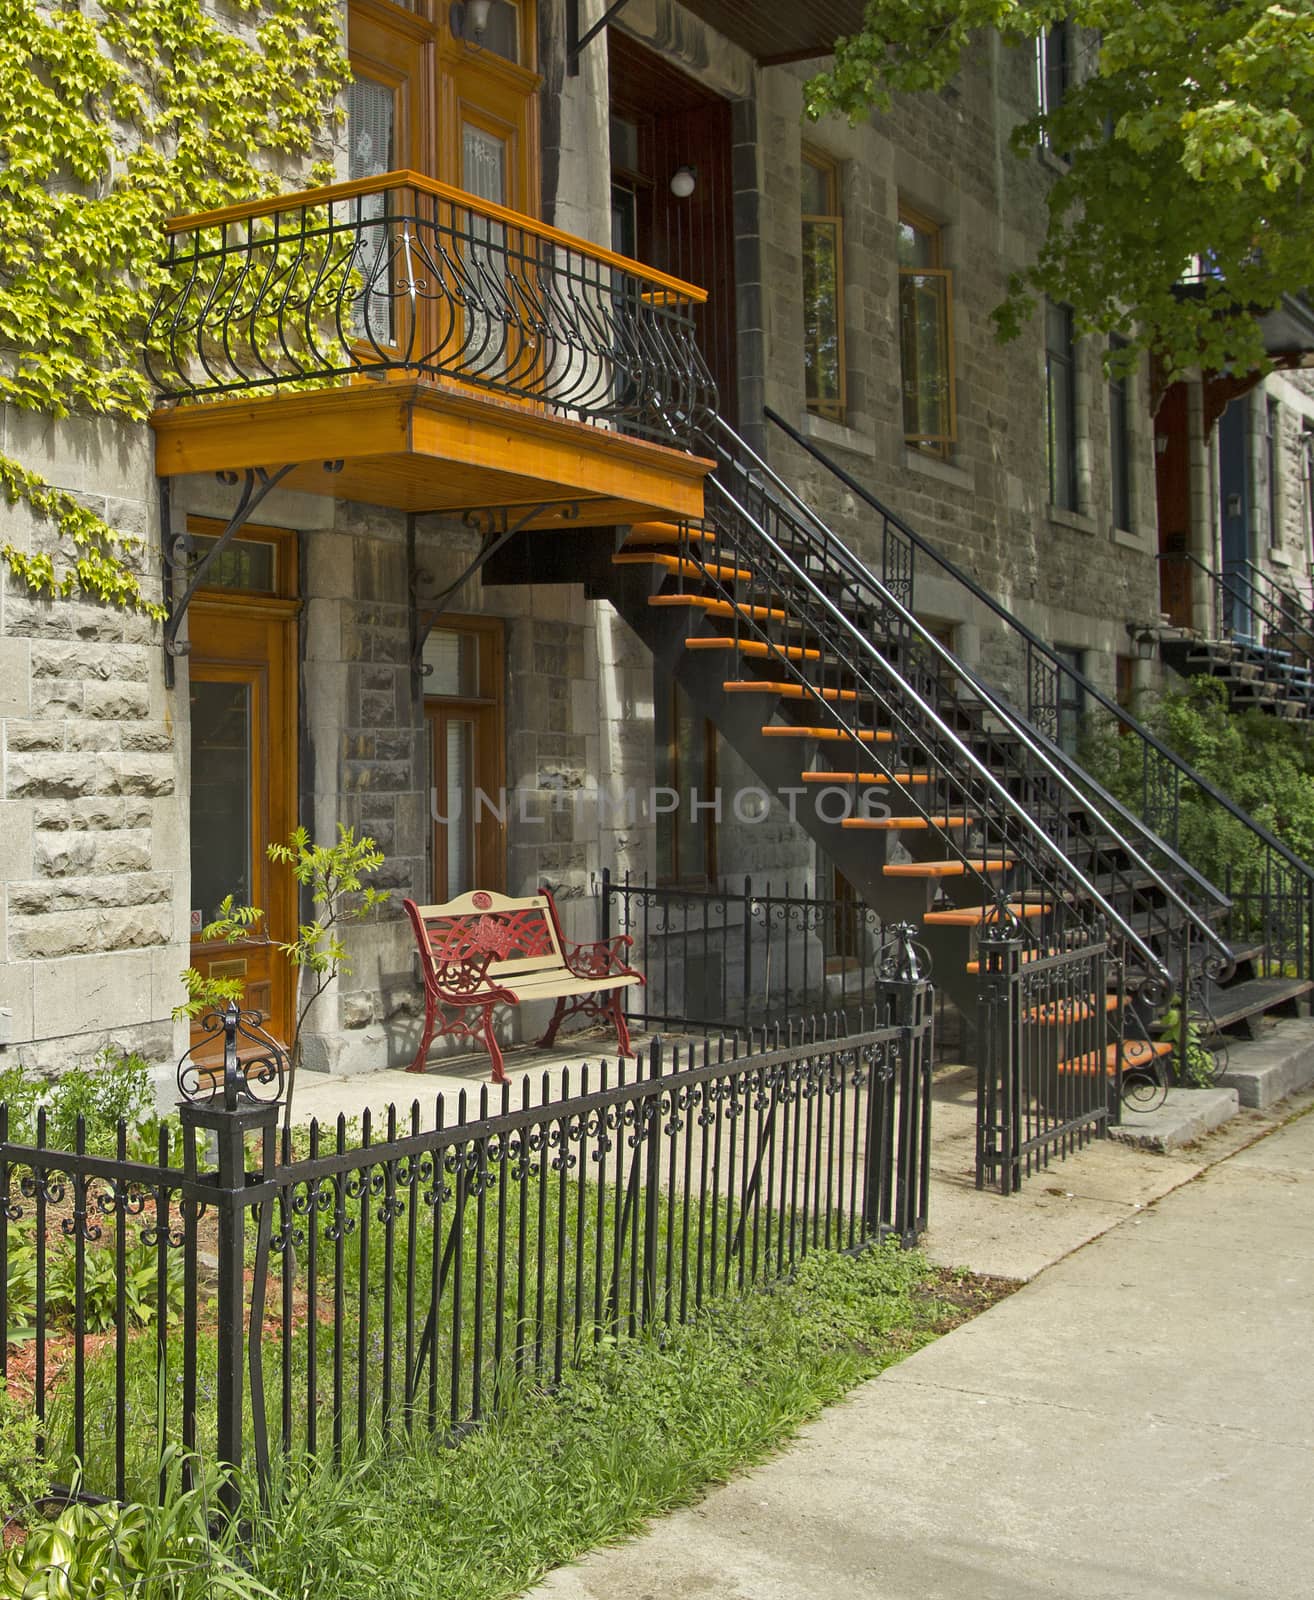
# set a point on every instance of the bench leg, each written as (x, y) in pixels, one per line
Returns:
(617, 1013)
(426, 1037)
(492, 1046)
(552, 1026)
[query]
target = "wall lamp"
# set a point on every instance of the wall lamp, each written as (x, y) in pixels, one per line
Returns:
(684, 180)
(468, 20)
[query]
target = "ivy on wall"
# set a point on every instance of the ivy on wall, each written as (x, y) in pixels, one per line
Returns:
(114, 117)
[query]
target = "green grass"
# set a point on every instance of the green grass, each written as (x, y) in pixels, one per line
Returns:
(591, 1286)
(635, 1430)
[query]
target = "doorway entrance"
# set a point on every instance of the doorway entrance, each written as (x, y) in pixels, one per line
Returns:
(664, 123)
(242, 672)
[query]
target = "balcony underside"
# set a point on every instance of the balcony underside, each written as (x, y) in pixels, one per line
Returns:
(428, 447)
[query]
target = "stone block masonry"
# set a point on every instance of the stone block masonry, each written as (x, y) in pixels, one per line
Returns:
(91, 848)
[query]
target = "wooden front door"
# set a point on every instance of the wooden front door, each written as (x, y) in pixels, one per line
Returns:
(243, 787)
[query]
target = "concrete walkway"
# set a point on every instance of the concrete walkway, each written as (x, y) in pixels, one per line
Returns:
(1136, 1423)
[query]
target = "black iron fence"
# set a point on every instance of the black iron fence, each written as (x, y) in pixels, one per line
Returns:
(1049, 1054)
(403, 275)
(743, 956)
(314, 1291)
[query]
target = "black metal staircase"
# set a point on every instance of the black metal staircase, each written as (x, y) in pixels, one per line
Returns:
(1265, 913)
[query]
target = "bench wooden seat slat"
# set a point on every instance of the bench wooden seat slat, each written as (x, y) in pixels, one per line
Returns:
(484, 949)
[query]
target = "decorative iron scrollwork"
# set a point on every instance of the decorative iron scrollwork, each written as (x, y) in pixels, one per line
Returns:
(253, 1061)
(902, 959)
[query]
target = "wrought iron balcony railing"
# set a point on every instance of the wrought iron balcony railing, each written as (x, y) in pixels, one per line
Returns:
(400, 276)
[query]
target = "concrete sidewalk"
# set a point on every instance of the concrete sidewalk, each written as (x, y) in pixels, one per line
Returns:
(1136, 1423)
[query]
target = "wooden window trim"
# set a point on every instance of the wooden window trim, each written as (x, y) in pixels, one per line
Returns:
(489, 711)
(934, 444)
(834, 408)
(286, 544)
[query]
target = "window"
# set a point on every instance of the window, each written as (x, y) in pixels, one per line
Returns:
(925, 336)
(686, 765)
(1272, 467)
(1120, 485)
(463, 739)
(1307, 483)
(823, 288)
(1054, 58)
(1061, 406)
(1071, 699)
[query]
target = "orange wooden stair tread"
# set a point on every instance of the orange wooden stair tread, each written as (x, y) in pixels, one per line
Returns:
(859, 735)
(1137, 1054)
(1064, 1011)
(974, 967)
(977, 916)
(942, 869)
(667, 533)
(785, 691)
(754, 647)
(840, 778)
(678, 564)
(719, 608)
(894, 823)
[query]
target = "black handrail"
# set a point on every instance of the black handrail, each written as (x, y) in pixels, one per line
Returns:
(1148, 740)
(1235, 597)
(929, 732)
(1053, 763)
(1298, 615)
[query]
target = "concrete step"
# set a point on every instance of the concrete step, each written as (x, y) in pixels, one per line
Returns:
(1265, 1070)
(1185, 1115)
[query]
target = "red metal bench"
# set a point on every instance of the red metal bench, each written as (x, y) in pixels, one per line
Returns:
(482, 950)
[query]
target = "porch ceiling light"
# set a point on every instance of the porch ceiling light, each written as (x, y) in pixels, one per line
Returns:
(469, 21)
(684, 180)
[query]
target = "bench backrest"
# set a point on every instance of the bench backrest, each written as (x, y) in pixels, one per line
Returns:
(523, 934)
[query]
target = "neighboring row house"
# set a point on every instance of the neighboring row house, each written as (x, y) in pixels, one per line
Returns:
(512, 387)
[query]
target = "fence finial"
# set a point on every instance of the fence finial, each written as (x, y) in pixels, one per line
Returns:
(241, 1081)
(901, 958)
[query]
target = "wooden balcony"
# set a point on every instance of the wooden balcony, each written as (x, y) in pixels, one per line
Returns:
(400, 342)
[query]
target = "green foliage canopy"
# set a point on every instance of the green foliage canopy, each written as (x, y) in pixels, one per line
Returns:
(1188, 134)
(111, 122)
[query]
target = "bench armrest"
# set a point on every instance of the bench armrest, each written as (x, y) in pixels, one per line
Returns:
(601, 958)
(466, 982)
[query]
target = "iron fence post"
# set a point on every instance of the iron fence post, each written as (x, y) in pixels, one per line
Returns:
(229, 1118)
(906, 1000)
(999, 952)
(652, 1132)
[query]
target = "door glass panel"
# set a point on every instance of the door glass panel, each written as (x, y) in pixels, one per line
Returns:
(247, 564)
(488, 312)
(460, 806)
(221, 795)
(451, 660)
(371, 145)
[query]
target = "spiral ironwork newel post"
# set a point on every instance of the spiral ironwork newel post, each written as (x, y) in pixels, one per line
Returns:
(226, 1104)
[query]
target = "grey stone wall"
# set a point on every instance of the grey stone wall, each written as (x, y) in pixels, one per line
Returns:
(92, 846)
(1074, 576)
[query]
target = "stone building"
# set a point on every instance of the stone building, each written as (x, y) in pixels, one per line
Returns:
(339, 669)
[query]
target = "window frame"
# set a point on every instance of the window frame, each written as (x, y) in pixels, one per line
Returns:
(1067, 360)
(487, 711)
(831, 408)
(927, 443)
(666, 822)
(1121, 479)
(1047, 102)
(1273, 468)
(1070, 706)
